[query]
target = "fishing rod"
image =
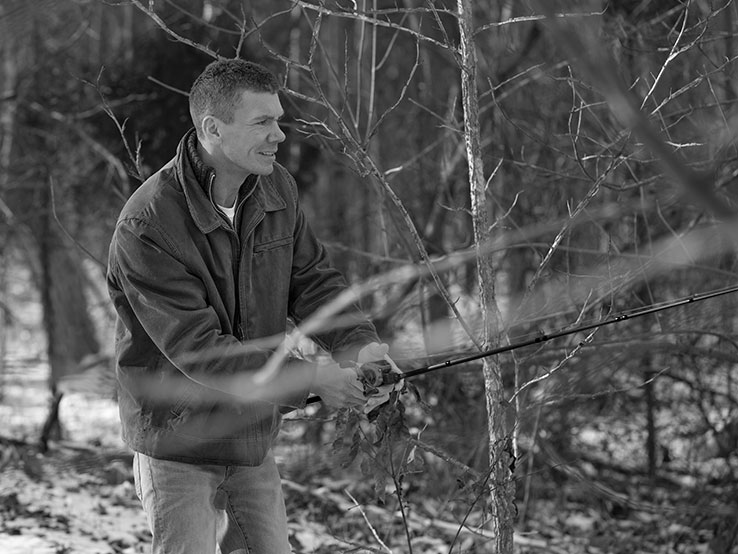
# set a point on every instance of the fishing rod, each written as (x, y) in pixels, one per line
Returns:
(377, 373)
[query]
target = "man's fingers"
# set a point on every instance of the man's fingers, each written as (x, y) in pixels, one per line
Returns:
(372, 352)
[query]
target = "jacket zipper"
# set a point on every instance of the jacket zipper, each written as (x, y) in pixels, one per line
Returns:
(233, 229)
(235, 239)
(237, 261)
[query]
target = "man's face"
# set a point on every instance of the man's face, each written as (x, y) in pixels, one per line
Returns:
(249, 143)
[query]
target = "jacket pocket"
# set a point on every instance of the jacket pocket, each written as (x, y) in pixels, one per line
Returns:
(272, 244)
(185, 398)
(271, 266)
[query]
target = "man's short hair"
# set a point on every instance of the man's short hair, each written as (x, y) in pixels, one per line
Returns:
(217, 90)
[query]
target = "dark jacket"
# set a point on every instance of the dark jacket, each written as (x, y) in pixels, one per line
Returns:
(203, 304)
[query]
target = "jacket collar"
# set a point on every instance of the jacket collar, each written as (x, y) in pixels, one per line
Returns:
(196, 179)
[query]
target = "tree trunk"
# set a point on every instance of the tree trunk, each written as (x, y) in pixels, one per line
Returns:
(69, 328)
(8, 104)
(500, 438)
(9, 55)
(3, 322)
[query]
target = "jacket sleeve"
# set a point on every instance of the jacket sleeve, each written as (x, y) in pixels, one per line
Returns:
(160, 300)
(316, 284)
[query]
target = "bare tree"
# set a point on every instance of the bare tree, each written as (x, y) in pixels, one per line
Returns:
(501, 455)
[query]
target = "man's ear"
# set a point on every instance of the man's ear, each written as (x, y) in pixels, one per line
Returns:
(210, 128)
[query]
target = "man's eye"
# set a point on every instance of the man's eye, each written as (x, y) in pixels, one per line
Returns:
(268, 121)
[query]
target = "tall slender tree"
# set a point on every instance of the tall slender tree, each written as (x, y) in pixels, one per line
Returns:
(501, 451)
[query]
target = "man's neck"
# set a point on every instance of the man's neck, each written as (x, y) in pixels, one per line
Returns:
(224, 190)
(226, 184)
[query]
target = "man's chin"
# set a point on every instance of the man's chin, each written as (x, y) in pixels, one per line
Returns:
(265, 170)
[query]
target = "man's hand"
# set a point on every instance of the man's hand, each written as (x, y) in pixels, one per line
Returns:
(374, 352)
(338, 387)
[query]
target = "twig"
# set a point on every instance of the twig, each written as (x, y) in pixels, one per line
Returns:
(12, 319)
(530, 19)
(445, 456)
(96, 146)
(601, 69)
(66, 232)
(321, 9)
(672, 55)
(400, 502)
(164, 27)
(372, 129)
(603, 491)
(135, 158)
(368, 523)
(574, 215)
(418, 523)
(569, 355)
(372, 82)
(168, 87)
(201, 20)
(480, 494)
(359, 60)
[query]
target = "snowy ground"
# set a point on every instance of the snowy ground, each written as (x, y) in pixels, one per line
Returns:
(78, 498)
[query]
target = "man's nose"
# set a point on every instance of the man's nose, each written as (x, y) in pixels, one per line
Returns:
(277, 135)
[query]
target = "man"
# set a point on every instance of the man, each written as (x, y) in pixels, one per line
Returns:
(209, 258)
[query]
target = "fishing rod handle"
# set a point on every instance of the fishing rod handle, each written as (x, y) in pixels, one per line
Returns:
(372, 375)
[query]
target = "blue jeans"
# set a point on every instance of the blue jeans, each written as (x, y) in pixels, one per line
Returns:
(192, 508)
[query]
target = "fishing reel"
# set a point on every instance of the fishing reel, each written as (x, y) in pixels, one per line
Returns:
(376, 374)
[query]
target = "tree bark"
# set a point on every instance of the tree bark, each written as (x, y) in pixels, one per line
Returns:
(70, 330)
(3, 323)
(500, 439)
(8, 104)
(9, 53)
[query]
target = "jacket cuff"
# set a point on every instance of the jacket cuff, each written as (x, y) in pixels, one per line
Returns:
(350, 352)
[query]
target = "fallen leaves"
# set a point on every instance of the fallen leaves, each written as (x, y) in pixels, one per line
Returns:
(59, 509)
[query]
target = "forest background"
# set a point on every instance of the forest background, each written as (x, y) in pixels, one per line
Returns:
(485, 173)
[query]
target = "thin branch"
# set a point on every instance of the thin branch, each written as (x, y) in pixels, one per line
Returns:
(373, 82)
(569, 355)
(443, 291)
(134, 157)
(480, 494)
(96, 146)
(390, 46)
(373, 129)
(672, 56)
(445, 456)
(201, 20)
(581, 206)
(437, 16)
(95, 110)
(166, 86)
(532, 18)
(66, 232)
(359, 64)
(600, 67)
(168, 30)
(374, 21)
(417, 523)
(368, 523)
